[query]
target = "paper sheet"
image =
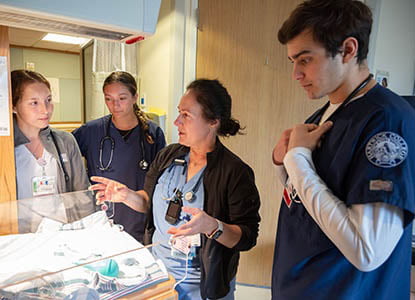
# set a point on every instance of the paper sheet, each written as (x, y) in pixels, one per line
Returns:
(4, 98)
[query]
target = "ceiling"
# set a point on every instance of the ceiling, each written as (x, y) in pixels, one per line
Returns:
(32, 38)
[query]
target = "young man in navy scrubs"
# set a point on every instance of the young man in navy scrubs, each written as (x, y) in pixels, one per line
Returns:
(344, 228)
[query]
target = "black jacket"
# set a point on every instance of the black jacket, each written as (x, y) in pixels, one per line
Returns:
(230, 196)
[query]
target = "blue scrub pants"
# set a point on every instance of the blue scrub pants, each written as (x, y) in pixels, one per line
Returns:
(191, 291)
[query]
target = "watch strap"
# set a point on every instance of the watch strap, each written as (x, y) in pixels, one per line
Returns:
(217, 232)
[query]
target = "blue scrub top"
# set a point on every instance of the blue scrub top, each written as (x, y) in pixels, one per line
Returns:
(124, 167)
(174, 177)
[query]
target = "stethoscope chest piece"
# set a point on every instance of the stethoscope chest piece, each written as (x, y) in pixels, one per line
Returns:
(143, 164)
(189, 196)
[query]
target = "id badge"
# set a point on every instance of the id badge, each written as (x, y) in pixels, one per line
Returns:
(43, 185)
(184, 247)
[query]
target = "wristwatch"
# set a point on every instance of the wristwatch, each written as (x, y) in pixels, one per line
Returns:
(217, 232)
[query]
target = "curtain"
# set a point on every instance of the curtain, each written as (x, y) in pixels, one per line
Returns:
(108, 57)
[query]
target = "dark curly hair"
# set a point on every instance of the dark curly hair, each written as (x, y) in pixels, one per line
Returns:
(331, 22)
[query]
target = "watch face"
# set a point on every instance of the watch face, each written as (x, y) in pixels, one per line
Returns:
(217, 234)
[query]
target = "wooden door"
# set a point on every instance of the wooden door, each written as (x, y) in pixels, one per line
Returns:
(237, 44)
(8, 212)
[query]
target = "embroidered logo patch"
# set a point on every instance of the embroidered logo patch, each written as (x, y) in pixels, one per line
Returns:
(386, 149)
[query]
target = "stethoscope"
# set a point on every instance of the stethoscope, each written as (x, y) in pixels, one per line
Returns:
(189, 196)
(319, 114)
(142, 164)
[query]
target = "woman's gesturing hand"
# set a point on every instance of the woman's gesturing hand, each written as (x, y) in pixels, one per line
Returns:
(109, 190)
(200, 222)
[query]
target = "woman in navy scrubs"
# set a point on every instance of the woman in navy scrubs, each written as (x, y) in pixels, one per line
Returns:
(121, 146)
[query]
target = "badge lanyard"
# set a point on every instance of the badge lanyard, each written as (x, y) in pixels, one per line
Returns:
(60, 156)
(45, 185)
(317, 117)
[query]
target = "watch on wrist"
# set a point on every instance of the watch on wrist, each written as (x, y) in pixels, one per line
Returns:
(217, 232)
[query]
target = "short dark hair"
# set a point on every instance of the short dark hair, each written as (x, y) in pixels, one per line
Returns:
(216, 104)
(331, 22)
(21, 78)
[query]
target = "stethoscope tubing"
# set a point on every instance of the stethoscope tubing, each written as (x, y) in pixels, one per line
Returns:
(143, 164)
(101, 147)
(318, 116)
(189, 195)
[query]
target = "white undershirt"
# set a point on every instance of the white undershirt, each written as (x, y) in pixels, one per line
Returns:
(366, 234)
(329, 111)
(27, 167)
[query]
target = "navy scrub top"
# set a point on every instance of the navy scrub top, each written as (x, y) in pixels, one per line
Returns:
(125, 162)
(360, 149)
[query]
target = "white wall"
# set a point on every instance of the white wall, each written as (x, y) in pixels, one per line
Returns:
(167, 60)
(154, 61)
(394, 49)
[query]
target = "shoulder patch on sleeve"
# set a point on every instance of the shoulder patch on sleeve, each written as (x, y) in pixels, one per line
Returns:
(386, 149)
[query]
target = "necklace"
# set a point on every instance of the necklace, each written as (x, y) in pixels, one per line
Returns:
(36, 148)
(125, 133)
